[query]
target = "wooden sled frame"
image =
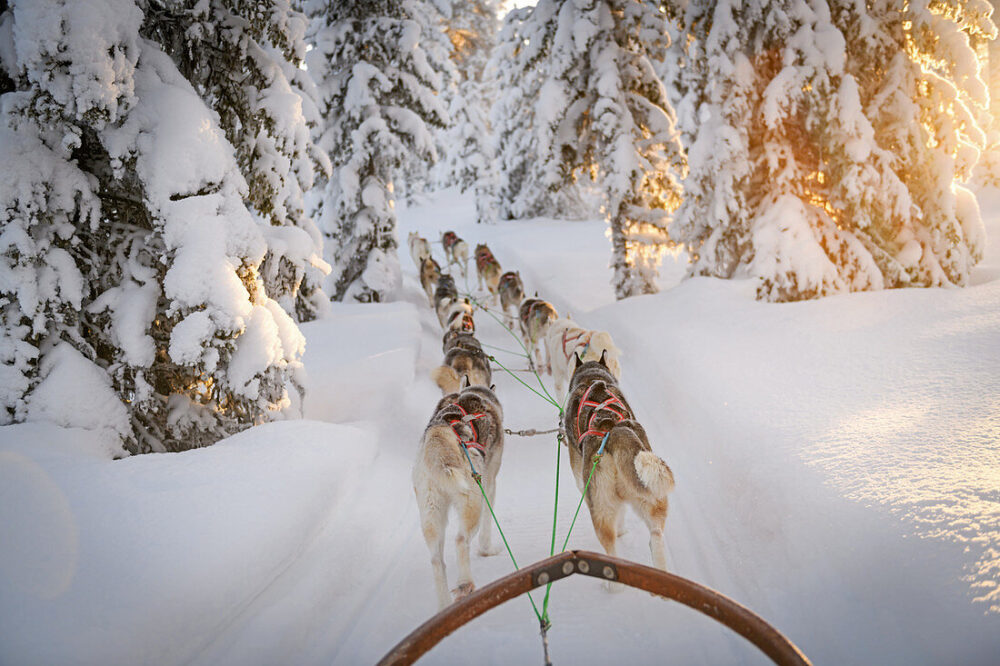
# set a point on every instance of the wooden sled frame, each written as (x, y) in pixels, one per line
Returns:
(704, 600)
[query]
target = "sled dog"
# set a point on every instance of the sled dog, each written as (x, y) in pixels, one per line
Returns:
(467, 422)
(511, 291)
(445, 294)
(461, 362)
(564, 339)
(488, 269)
(430, 273)
(460, 317)
(456, 250)
(535, 316)
(458, 338)
(628, 472)
(420, 249)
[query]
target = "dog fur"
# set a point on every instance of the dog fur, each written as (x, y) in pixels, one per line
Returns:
(456, 251)
(430, 273)
(460, 317)
(488, 269)
(628, 474)
(442, 479)
(420, 248)
(445, 294)
(565, 339)
(461, 362)
(511, 291)
(458, 338)
(535, 316)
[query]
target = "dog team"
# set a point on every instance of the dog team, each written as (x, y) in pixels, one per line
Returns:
(461, 448)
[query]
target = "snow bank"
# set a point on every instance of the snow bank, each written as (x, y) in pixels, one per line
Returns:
(147, 559)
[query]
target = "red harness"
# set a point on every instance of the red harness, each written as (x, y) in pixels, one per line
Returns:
(598, 407)
(468, 419)
(484, 258)
(526, 319)
(574, 338)
(449, 239)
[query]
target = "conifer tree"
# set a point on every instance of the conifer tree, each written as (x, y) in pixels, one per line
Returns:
(823, 164)
(602, 112)
(266, 111)
(127, 252)
(377, 93)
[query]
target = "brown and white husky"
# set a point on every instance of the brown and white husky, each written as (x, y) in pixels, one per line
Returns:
(456, 250)
(420, 249)
(488, 269)
(535, 316)
(511, 291)
(565, 339)
(628, 473)
(469, 422)
(430, 273)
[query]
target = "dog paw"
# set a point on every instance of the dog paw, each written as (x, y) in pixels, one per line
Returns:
(490, 551)
(463, 590)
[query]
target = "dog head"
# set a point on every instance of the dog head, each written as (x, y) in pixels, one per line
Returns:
(457, 338)
(587, 372)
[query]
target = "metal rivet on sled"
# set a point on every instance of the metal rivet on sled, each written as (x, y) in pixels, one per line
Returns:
(568, 568)
(543, 578)
(609, 573)
(583, 566)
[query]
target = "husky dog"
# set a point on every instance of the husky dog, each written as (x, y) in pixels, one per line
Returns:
(564, 339)
(420, 249)
(430, 273)
(460, 318)
(469, 422)
(444, 296)
(488, 269)
(458, 338)
(459, 362)
(456, 250)
(535, 316)
(511, 291)
(628, 472)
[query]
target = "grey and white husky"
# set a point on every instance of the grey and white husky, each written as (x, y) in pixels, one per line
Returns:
(467, 422)
(461, 361)
(458, 338)
(536, 315)
(511, 294)
(628, 473)
(445, 294)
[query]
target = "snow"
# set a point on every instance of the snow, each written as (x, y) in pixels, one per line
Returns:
(836, 463)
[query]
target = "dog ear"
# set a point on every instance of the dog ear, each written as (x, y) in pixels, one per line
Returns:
(465, 382)
(603, 361)
(578, 361)
(493, 387)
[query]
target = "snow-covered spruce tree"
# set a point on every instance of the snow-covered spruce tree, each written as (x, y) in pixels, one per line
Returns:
(377, 94)
(243, 58)
(808, 171)
(129, 291)
(602, 112)
(518, 68)
(925, 105)
(417, 175)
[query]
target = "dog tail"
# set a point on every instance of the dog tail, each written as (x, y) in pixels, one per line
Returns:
(651, 474)
(655, 474)
(447, 379)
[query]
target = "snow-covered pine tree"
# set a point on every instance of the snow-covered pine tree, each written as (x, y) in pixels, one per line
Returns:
(266, 111)
(925, 103)
(808, 171)
(128, 260)
(377, 93)
(602, 112)
(467, 157)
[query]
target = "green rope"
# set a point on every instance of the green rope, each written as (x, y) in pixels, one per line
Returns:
(597, 459)
(507, 351)
(555, 515)
(526, 385)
